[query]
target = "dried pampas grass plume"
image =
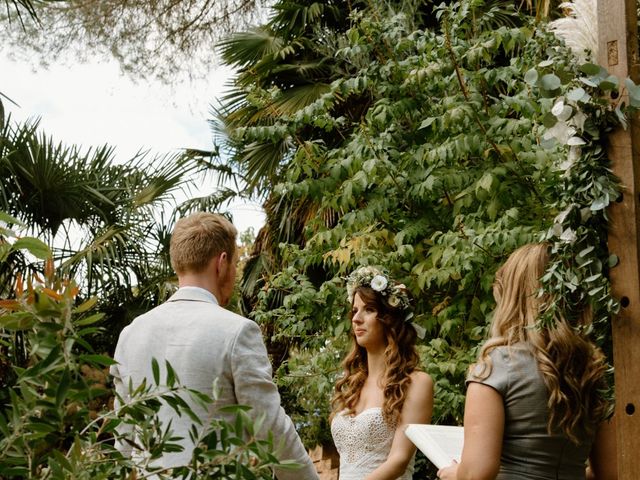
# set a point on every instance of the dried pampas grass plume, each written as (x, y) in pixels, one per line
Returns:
(579, 29)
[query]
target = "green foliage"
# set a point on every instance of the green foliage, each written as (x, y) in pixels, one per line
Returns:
(105, 221)
(435, 153)
(55, 420)
(306, 383)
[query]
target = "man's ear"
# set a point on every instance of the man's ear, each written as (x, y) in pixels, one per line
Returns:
(222, 263)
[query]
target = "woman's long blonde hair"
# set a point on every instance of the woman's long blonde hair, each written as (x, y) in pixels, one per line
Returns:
(573, 368)
(401, 359)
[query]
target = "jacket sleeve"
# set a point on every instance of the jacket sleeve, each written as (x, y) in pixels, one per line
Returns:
(122, 392)
(253, 385)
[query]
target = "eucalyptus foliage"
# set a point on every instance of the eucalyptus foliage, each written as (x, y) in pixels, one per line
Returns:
(435, 153)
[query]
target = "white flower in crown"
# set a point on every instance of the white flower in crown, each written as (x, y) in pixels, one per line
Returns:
(379, 283)
(350, 290)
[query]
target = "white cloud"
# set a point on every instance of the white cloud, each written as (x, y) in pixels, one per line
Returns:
(93, 104)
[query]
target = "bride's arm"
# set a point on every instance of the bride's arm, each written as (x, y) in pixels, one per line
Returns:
(417, 408)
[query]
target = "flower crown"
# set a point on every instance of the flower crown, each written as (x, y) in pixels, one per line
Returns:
(396, 293)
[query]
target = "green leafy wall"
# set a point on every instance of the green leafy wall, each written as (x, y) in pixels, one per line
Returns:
(434, 153)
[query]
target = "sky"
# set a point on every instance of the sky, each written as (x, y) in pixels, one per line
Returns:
(93, 104)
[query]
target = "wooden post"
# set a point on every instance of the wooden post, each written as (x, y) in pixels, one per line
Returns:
(618, 53)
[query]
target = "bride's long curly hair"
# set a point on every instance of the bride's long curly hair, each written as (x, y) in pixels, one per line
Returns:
(401, 359)
(572, 366)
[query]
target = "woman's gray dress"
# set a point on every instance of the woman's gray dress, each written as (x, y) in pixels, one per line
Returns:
(528, 451)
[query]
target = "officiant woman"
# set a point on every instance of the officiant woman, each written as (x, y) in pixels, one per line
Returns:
(534, 407)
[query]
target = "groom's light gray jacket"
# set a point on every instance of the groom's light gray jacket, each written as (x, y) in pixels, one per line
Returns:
(202, 341)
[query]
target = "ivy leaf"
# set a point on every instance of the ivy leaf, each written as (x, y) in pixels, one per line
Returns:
(576, 141)
(599, 203)
(550, 82)
(576, 94)
(590, 69)
(549, 120)
(426, 122)
(531, 77)
(609, 83)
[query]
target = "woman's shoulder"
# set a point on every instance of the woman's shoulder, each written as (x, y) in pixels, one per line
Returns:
(420, 376)
(418, 404)
(509, 354)
(421, 382)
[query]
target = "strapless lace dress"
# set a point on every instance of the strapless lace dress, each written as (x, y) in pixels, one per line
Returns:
(363, 442)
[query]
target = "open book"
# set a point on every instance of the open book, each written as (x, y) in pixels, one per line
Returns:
(441, 444)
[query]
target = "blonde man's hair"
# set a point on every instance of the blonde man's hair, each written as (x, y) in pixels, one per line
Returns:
(198, 238)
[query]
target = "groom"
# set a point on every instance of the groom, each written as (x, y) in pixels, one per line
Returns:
(204, 343)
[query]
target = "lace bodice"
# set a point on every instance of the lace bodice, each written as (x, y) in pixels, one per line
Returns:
(363, 442)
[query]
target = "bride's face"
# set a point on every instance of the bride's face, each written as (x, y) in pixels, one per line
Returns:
(366, 326)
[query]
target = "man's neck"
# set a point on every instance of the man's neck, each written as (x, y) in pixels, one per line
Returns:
(200, 281)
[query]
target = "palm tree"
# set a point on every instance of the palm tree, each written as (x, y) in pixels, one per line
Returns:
(107, 223)
(100, 217)
(283, 66)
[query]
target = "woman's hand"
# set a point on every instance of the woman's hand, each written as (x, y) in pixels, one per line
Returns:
(450, 472)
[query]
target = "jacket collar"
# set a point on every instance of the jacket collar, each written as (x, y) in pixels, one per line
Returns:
(193, 294)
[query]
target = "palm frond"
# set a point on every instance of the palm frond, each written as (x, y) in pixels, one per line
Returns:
(164, 175)
(294, 18)
(261, 162)
(294, 99)
(247, 48)
(208, 203)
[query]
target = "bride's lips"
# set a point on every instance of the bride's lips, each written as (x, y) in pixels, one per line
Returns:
(359, 331)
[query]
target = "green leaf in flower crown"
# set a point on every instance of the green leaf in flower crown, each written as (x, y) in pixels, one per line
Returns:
(589, 82)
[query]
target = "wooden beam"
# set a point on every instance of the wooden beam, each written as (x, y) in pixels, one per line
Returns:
(618, 53)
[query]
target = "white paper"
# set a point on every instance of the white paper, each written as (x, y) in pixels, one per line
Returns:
(442, 444)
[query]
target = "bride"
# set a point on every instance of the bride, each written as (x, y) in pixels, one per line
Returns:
(381, 391)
